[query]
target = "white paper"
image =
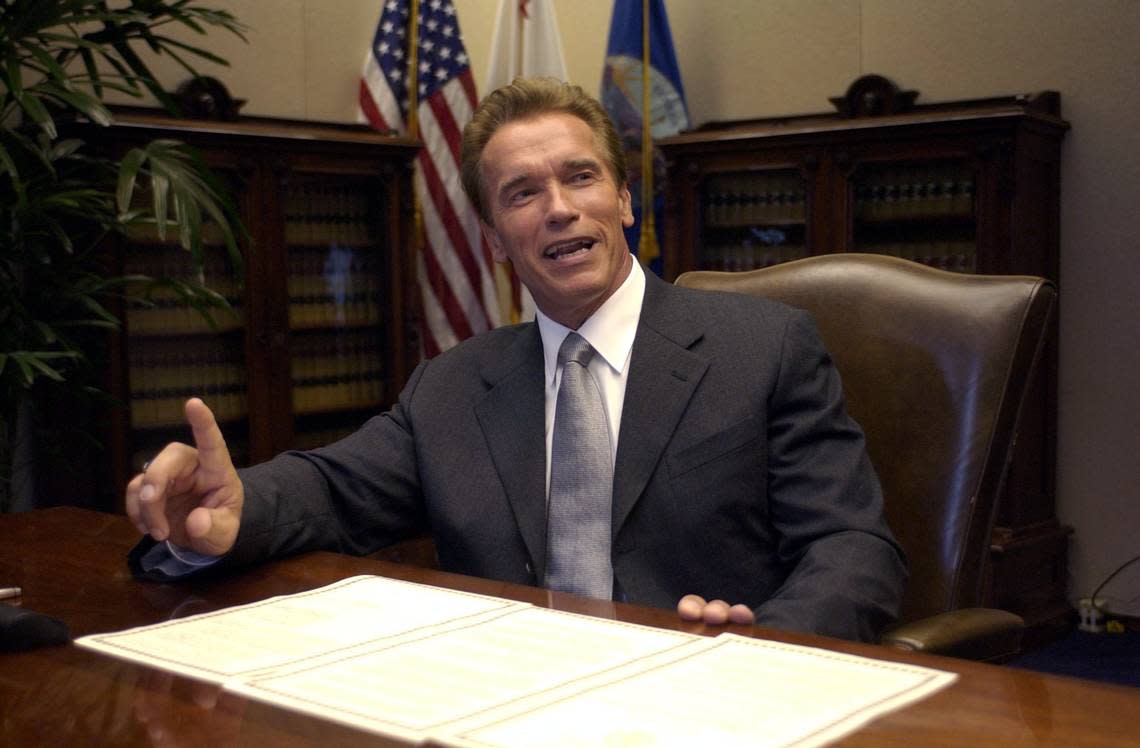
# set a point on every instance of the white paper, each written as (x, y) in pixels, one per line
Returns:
(291, 629)
(734, 689)
(421, 662)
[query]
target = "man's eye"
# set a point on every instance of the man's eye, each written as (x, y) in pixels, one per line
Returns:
(582, 176)
(521, 195)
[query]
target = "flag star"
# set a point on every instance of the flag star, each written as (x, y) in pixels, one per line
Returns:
(461, 59)
(445, 53)
(428, 45)
(441, 73)
(387, 27)
(391, 6)
(382, 48)
(425, 67)
(398, 53)
(448, 31)
(423, 89)
(401, 32)
(394, 75)
(449, 9)
(435, 5)
(432, 24)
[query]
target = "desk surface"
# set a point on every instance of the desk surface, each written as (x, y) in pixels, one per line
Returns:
(70, 563)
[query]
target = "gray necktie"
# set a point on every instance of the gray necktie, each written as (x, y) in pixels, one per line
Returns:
(581, 481)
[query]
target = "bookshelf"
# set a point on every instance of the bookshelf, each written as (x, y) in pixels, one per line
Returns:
(968, 186)
(320, 335)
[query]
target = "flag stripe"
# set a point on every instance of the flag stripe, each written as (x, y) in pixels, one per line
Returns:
(452, 312)
(451, 269)
(433, 315)
(369, 109)
(447, 161)
(448, 232)
(444, 156)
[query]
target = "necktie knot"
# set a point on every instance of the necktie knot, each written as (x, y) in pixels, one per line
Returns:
(575, 348)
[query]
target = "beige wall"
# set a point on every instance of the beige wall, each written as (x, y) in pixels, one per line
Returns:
(766, 57)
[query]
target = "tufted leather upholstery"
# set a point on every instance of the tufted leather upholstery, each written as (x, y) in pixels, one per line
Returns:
(935, 366)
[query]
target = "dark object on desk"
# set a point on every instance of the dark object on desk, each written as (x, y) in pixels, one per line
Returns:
(935, 367)
(22, 629)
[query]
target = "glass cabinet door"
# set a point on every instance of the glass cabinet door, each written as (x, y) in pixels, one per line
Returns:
(336, 266)
(174, 352)
(752, 219)
(917, 210)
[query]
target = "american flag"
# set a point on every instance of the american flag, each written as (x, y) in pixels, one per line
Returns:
(454, 265)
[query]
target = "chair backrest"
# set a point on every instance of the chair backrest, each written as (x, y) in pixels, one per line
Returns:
(935, 366)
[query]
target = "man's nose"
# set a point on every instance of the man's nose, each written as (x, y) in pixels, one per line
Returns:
(561, 208)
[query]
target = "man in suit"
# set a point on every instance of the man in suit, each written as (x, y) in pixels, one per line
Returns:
(737, 477)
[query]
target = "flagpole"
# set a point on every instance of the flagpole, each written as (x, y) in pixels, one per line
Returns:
(418, 235)
(647, 244)
(413, 68)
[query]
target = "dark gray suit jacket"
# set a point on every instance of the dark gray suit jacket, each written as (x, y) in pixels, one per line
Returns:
(738, 476)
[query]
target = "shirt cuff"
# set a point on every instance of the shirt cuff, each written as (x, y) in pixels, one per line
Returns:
(174, 561)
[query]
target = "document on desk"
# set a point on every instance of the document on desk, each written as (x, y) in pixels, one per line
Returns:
(422, 663)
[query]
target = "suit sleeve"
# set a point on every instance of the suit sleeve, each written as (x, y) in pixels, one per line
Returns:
(354, 496)
(847, 571)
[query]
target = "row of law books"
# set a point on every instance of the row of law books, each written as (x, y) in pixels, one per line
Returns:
(337, 371)
(333, 286)
(746, 199)
(322, 214)
(155, 310)
(956, 256)
(739, 256)
(918, 191)
(163, 376)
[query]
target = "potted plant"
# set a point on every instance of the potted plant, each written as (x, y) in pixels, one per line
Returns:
(59, 201)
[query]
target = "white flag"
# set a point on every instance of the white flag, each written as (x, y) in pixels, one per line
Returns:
(526, 43)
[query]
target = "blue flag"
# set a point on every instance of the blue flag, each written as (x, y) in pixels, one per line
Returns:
(621, 96)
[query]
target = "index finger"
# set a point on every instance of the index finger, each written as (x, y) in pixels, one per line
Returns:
(213, 454)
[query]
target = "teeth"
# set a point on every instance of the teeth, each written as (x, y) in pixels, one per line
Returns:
(562, 250)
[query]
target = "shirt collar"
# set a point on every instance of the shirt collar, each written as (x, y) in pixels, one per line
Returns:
(610, 330)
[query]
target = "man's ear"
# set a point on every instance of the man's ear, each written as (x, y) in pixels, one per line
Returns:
(498, 253)
(626, 206)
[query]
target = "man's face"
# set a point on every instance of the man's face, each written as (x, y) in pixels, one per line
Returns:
(556, 214)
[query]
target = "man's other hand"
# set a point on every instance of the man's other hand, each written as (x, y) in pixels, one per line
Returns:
(716, 612)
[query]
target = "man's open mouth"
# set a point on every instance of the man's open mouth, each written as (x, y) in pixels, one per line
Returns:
(563, 250)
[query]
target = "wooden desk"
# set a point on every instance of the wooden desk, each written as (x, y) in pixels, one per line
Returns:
(70, 565)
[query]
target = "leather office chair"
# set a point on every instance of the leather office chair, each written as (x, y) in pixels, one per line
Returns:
(935, 366)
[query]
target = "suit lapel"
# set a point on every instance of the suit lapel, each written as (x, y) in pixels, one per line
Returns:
(512, 416)
(663, 375)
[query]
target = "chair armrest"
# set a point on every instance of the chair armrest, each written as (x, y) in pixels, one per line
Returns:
(984, 634)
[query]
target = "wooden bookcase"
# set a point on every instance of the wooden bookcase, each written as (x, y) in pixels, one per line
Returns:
(321, 334)
(970, 186)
